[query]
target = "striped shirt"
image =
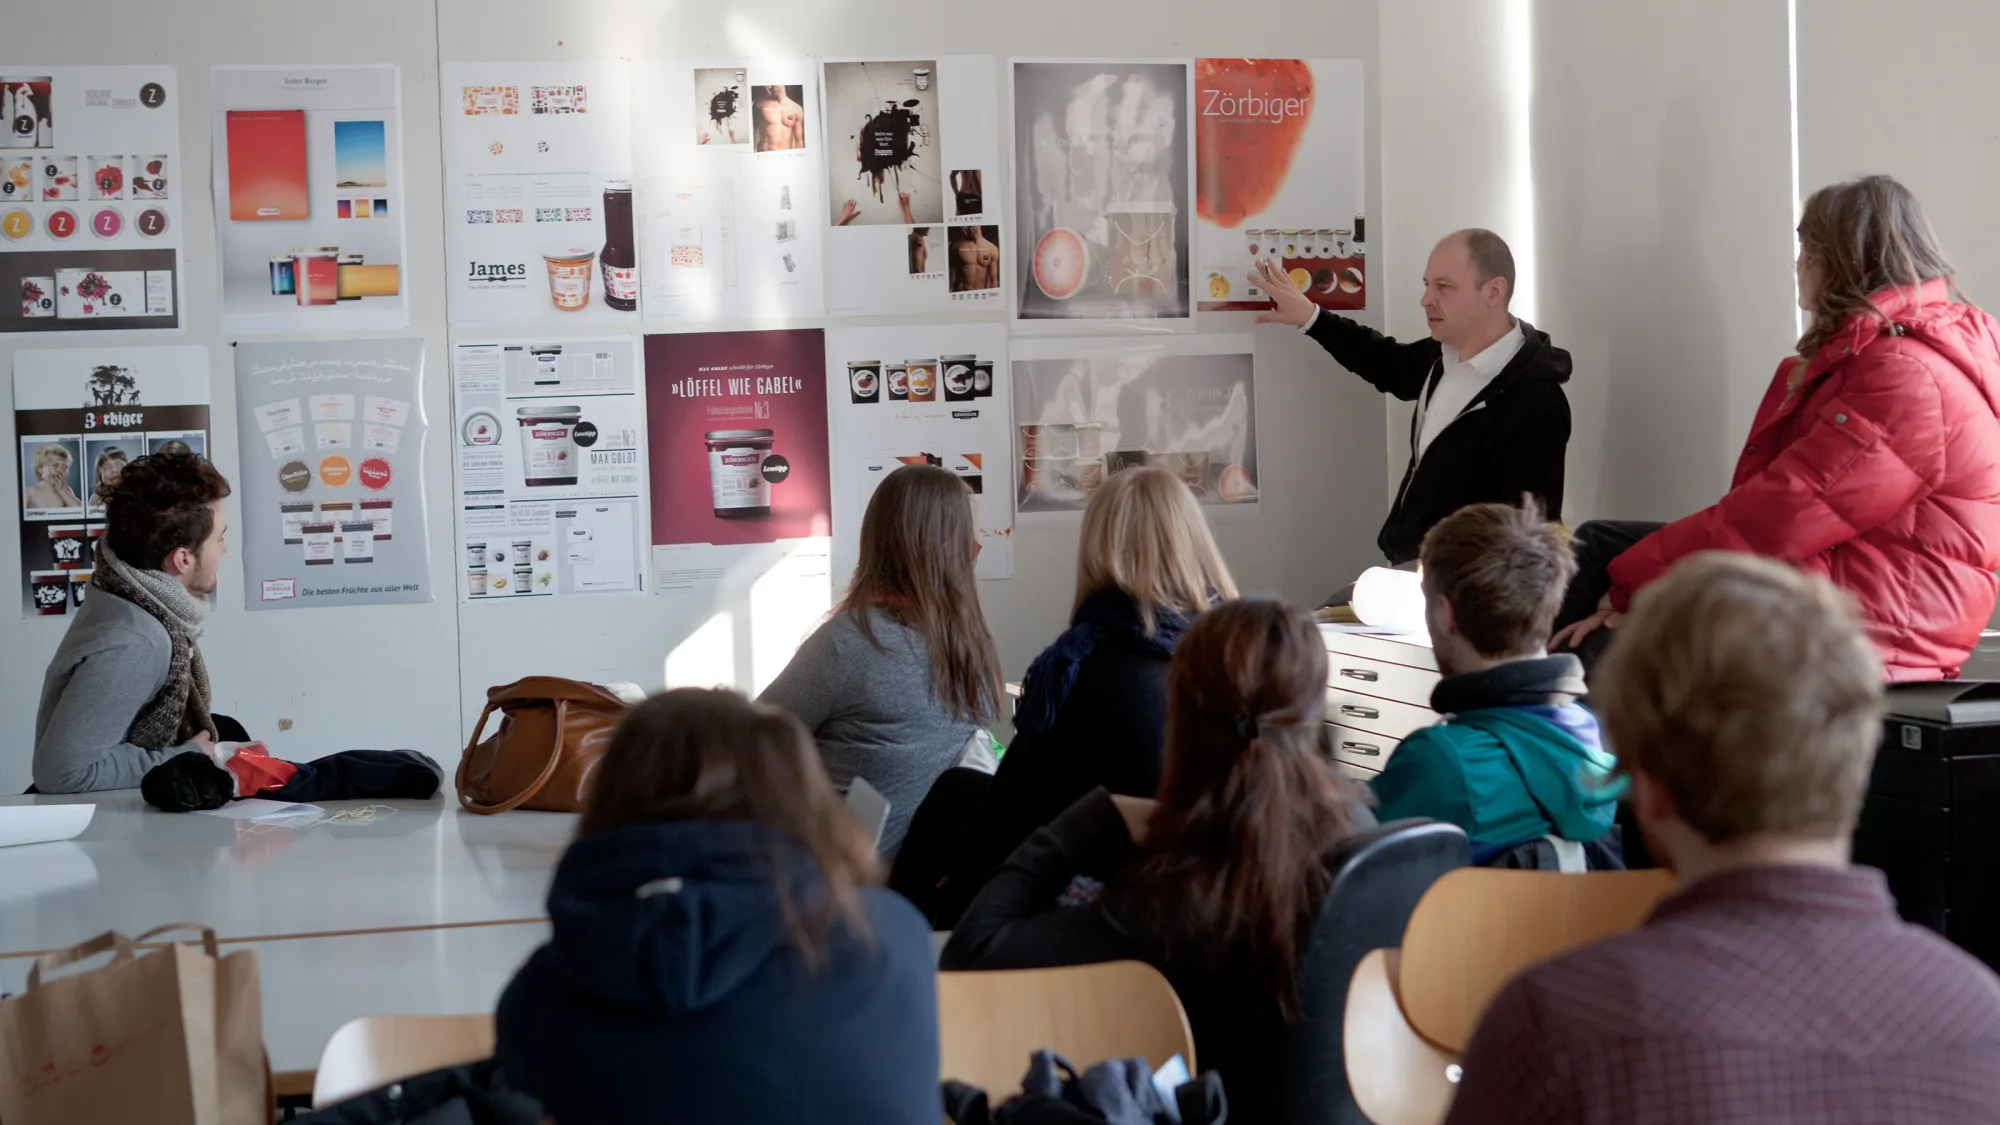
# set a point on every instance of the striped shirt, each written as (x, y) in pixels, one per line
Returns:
(1775, 995)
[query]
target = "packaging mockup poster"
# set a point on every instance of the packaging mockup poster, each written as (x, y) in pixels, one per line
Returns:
(1084, 409)
(309, 198)
(1101, 190)
(913, 192)
(539, 220)
(737, 449)
(921, 395)
(91, 183)
(731, 190)
(82, 415)
(551, 463)
(330, 471)
(1278, 153)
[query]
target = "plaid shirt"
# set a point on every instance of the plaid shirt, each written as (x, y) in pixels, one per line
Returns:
(1772, 995)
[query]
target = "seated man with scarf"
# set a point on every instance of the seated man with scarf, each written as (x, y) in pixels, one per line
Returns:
(127, 688)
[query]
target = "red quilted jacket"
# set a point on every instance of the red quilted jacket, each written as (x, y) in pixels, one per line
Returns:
(1882, 474)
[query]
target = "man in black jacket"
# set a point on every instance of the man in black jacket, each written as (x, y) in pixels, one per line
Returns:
(1491, 420)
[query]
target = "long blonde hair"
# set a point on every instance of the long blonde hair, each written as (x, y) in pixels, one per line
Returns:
(1863, 236)
(1144, 536)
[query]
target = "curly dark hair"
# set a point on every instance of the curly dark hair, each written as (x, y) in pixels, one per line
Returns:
(160, 505)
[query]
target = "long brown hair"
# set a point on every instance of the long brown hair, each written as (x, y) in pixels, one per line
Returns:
(712, 754)
(1863, 236)
(1144, 536)
(1233, 867)
(918, 546)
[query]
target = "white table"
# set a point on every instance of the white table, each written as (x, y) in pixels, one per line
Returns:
(311, 986)
(135, 867)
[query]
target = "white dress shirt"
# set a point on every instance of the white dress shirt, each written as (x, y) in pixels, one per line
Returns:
(1459, 385)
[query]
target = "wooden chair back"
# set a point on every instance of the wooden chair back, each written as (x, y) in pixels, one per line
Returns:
(989, 1022)
(1396, 1078)
(368, 1053)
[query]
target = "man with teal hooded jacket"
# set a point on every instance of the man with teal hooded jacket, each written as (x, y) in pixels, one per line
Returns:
(1516, 759)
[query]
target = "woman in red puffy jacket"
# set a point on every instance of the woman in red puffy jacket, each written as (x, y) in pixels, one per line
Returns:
(1874, 459)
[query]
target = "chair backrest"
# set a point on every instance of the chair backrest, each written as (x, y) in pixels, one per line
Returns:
(1477, 927)
(371, 1052)
(1378, 877)
(1396, 1078)
(869, 807)
(988, 1022)
(931, 843)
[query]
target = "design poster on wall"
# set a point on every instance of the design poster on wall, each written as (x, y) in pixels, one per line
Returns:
(90, 189)
(1278, 174)
(539, 226)
(931, 395)
(82, 415)
(330, 469)
(737, 432)
(310, 198)
(730, 190)
(551, 469)
(1084, 409)
(1101, 200)
(913, 200)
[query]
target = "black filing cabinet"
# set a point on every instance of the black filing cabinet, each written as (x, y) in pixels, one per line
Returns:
(1932, 818)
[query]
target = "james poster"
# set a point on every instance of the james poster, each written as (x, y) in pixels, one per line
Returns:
(1084, 409)
(736, 425)
(330, 469)
(1101, 190)
(1278, 174)
(82, 415)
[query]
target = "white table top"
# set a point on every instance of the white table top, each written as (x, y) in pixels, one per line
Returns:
(310, 986)
(135, 867)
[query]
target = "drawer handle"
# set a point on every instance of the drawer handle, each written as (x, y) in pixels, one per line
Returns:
(1359, 712)
(1365, 749)
(1362, 674)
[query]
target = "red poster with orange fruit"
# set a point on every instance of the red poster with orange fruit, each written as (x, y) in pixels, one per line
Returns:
(1279, 173)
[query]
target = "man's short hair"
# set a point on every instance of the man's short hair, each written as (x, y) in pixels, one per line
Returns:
(1490, 258)
(1751, 693)
(1503, 570)
(160, 505)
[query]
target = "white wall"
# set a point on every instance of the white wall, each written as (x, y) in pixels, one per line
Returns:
(414, 676)
(1662, 179)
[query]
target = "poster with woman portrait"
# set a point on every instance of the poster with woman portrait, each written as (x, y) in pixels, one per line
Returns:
(81, 415)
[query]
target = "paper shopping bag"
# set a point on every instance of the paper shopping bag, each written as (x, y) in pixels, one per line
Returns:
(172, 1036)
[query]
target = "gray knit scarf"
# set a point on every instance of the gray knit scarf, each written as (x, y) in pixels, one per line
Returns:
(180, 710)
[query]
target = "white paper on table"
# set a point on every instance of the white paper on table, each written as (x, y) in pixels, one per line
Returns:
(1390, 599)
(39, 824)
(257, 808)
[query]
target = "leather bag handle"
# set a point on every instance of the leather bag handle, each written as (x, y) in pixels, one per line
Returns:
(532, 788)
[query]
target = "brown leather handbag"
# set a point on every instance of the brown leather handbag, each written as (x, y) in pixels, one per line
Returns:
(552, 732)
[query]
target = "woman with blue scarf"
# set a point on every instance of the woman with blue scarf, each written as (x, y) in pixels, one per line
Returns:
(1093, 708)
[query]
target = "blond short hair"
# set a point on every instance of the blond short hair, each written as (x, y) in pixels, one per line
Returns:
(49, 453)
(1144, 535)
(1503, 570)
(1751, 693)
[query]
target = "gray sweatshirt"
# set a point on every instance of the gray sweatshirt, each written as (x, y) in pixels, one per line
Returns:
(873, 712)
(111, 663)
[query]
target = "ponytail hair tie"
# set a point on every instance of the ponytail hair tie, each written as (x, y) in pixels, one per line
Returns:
(1247, 727)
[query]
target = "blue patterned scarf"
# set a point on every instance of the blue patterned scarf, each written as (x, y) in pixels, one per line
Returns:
(1054, 672)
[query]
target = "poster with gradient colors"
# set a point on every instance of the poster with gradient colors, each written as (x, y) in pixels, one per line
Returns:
(1278, 152)
(737, 433)
(80, 416)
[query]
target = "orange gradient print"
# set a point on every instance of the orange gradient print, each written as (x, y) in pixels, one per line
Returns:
(1250, 114)
(267, 164)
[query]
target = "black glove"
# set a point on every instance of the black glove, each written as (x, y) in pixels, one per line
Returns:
(188, 782)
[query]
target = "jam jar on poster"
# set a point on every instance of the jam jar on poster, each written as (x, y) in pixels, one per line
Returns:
(539, 220)
(551, 463)
(330, 472)
(91, 184)
(1278, 174)
(737, 432)
(80, 416)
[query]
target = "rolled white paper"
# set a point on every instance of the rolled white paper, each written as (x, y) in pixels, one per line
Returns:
(1390, 599)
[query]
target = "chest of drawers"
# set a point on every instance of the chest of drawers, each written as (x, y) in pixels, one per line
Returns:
(1378, 690)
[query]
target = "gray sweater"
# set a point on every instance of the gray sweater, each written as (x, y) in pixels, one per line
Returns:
(873, 712)
(111, 663)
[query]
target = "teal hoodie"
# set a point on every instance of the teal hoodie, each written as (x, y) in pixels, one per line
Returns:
(1506, 775)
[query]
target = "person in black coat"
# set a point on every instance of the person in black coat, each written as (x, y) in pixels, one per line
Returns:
(1093, 708)
(1492, 420)
(718, 952)
(1218, 882)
